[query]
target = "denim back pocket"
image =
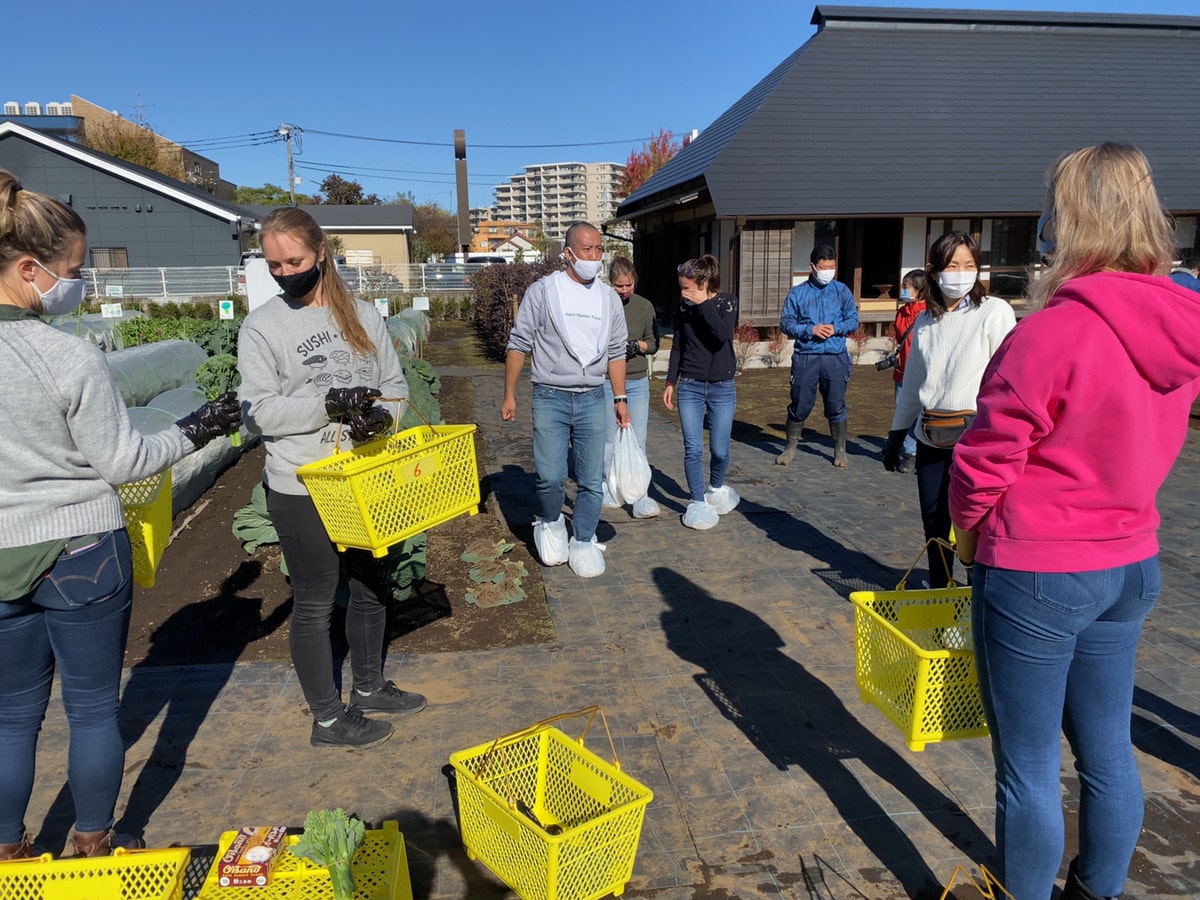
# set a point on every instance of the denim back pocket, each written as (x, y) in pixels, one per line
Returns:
(91, 575)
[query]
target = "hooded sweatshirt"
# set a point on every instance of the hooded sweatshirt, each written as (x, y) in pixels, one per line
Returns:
(572, 330)
(1081, 415)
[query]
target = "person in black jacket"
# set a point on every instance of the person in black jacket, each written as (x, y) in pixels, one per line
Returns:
(701, 371)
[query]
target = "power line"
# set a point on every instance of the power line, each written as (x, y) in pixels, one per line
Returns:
(343, 170)
(361, 137)
(398, 171)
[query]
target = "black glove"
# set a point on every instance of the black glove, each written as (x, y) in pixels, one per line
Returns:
(364, 426)
(632, 349)
(893, 449)
(213, 419)
(343, 402)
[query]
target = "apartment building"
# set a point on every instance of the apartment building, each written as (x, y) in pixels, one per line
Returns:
(557, 194)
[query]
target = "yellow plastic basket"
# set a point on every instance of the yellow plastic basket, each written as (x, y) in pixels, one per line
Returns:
(914, 660)
(550, 818)
(127, 874)
(147, 506)
(380, 870)
(382, 492)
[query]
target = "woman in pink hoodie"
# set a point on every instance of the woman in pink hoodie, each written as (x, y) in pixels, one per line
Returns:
(1081, 414)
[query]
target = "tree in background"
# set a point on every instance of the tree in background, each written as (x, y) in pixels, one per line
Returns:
(435, 230)
(655, 154)
(135, 143)
(336, 190)
(267, 195)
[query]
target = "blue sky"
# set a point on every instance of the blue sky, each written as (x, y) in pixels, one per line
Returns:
(533, 74)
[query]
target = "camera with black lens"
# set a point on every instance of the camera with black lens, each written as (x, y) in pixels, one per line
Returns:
(888, 362)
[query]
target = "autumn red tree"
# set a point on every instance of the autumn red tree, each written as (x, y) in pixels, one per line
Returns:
(643, 163)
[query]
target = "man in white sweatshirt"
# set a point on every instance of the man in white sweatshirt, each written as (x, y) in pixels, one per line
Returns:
(573, 325)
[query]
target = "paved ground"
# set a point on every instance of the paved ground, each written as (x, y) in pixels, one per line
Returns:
(724, 661)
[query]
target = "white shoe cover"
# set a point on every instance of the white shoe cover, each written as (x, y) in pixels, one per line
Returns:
(646, 508)
(550, 539)
(722, 499)
(700, 516)
(587, 558)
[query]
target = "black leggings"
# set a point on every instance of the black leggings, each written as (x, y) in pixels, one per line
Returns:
(315, 567)
(933, 491)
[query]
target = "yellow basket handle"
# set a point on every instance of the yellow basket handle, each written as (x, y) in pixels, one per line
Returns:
(589, 711)
(986, 889)
(941, 542)
(337, 445)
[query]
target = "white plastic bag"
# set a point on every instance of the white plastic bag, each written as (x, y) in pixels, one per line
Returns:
(550, 539)
(587, 558)
(628, 473)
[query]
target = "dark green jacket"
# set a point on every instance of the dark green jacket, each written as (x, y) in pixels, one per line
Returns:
(642, 326)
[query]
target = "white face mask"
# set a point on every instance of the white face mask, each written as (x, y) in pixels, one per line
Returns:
(824, 276)
(586, 269)
(65, 297)
(956, 285)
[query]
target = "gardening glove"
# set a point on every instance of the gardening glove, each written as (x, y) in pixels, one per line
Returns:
(213, 419)
(364, 426)
(343, 402)
(632, 349)
(893, 449)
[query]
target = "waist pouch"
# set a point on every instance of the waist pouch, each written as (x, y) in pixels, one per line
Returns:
(943, 427)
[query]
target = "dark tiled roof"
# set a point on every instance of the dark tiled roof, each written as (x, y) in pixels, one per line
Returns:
(903, 111)
(384, 217)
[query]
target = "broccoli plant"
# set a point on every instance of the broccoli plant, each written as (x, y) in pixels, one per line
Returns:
(330, 839)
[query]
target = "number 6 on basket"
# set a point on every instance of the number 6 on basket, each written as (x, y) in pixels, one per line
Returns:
(426, 465)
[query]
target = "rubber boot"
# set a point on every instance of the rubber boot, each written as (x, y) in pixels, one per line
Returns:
(795, 434)
(102, 843)
(22, 849)
(1075, 889)
(838, 430)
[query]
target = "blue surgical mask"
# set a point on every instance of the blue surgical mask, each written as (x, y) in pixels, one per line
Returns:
(905, 294)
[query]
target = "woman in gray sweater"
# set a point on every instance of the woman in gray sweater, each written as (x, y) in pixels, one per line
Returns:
(308, 358)
(66, 569)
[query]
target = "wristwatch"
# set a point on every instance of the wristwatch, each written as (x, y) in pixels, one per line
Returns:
(621, 399)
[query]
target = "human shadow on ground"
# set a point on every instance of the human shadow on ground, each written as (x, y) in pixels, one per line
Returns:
(794, 719)
(443, 837)
(1159, 738)
(845, 569)
(158, 683)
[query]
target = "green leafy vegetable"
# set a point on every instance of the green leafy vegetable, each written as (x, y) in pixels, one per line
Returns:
(331, 839)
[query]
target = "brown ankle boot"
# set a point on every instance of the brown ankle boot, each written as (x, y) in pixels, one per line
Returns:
(23, 849)
(102, 843)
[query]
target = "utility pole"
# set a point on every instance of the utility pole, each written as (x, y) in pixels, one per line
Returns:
(460, 178)
(286, 131)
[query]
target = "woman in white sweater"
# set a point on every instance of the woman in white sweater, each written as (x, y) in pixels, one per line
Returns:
(952, 342)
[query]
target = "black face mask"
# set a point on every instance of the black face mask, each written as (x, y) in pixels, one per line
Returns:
(299, 284)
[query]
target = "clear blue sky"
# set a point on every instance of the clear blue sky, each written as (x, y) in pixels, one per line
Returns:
(607, 75)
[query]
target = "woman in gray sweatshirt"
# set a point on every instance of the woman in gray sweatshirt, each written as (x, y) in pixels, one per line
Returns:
(66, 569)
(309, 358)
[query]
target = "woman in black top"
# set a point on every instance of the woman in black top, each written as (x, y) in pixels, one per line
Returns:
(701, 373)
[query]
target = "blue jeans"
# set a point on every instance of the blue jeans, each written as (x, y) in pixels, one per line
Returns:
(719, 400)
(829, 372)
(76, 619)
(910, 439)
(638, 392)
(1055, 654)
(578, 421)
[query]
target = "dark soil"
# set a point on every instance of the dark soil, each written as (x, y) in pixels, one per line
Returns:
(214, 603)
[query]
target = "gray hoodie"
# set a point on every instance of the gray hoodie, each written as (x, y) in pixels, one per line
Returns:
(541, 329)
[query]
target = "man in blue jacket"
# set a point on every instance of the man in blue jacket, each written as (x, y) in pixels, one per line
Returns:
(1188, 273)
(818, 314)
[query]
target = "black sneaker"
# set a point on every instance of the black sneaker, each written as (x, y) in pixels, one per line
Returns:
(387, 699)
(351, 729)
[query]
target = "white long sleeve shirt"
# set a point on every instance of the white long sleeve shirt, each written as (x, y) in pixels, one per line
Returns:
(948, 357)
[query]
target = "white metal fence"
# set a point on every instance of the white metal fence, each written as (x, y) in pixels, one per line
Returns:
(169, 283)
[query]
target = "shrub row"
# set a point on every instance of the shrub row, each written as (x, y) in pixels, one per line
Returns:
(496, 290)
